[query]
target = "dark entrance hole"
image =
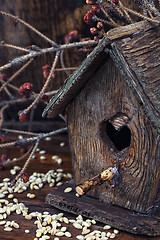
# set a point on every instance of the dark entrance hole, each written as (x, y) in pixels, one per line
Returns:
(120, 138)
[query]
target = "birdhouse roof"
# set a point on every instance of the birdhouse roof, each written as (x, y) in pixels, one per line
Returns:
(135, 50)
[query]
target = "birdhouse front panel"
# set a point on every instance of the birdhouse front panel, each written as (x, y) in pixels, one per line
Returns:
(108, 127)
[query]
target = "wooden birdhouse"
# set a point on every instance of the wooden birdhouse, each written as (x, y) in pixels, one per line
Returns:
(112, 103)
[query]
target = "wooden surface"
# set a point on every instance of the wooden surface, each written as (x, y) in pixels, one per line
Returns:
(38, 204)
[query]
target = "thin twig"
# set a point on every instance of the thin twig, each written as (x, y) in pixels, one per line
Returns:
(22, 59)
(140, 15)
(14, 47)
(105, 21)
(45, 85)
(16, 74)
(30, 27)
(23, 100)
(2, 114)
(64, 69)
(62, 62)
(33, 139)
(31, 118)
(10, 85)
(30, 157)
(8, 93)
(18, 159)
(107, 15)
(62, 117)
(18, 131)
(126, 13)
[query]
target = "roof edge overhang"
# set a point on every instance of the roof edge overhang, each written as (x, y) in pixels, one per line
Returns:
(82, 74)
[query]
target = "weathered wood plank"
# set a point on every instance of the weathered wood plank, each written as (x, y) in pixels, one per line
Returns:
(138, 59)
(106, 213)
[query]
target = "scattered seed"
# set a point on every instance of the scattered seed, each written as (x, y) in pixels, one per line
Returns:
(15, 225)
(28, 217)
(13, 172)
(59, 160)
(10, 196)
(59, 184)
(42, 157)
(48, 139)
(27, 231)
(115, 231)
(2, 210)
(113, 235)
(65, 220)
(59, 234)
(62, 144)
(108, 234)
(77, 225)
(68, 189)
(17, 168)
(15, 200)
(6, 179)
(8, 229)
(63, 229)
(32, 196)
(106, 227)
(67, 234)
(80, 237)
(2, 222)
(2, 195)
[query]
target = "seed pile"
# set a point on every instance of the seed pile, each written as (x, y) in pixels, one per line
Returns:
(47, 226)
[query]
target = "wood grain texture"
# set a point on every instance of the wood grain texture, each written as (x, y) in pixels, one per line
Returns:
(105, 95)
(138, 59)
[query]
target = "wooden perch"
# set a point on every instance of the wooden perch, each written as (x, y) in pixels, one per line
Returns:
(106, 175)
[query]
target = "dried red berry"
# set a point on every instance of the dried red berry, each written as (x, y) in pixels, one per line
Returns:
(71, 36)
(46, 67)
(93, 30)
(46, 71)
(2, 137)
(88, 17)
(91, 1)
(96, 38)
(14, 22)
(3, 76)
(3, 161)
(22, 116)
(44, 97)
(100, 25)
(116, 2)
(96, 8)
(25, 90)
(25, 177)
(4, 157)
(86, 39)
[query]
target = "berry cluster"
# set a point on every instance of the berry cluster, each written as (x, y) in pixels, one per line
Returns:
(25, 90)
(22, 116)
(46, 70)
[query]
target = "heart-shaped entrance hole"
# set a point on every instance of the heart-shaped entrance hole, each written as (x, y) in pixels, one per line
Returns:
(120, 138)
